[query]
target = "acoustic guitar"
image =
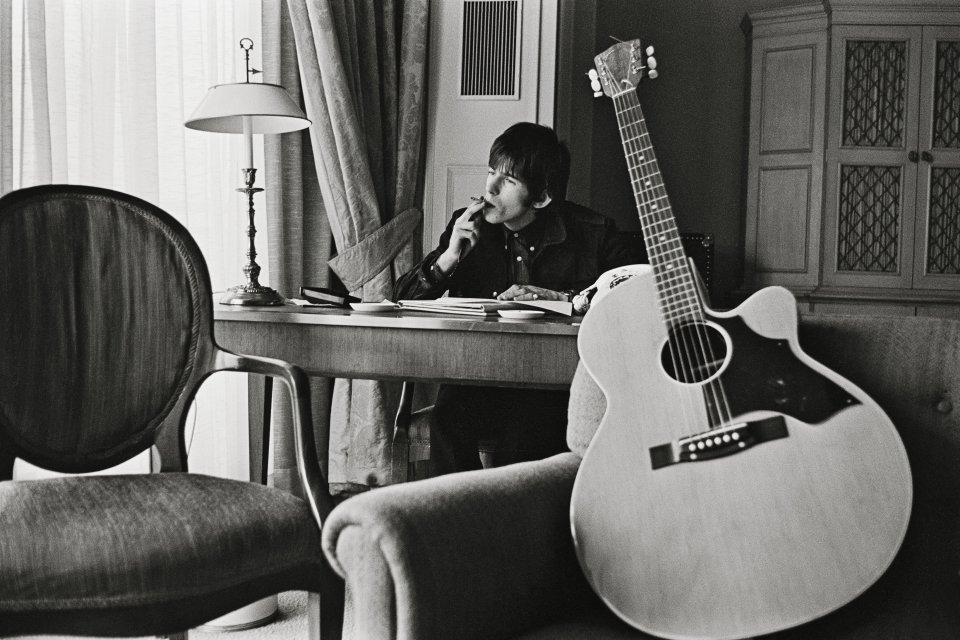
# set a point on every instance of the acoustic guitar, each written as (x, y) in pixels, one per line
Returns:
(735, 486)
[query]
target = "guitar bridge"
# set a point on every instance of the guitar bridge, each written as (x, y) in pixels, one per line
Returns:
(717, 443)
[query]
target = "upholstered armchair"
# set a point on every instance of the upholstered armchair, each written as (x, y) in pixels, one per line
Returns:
(488, 554)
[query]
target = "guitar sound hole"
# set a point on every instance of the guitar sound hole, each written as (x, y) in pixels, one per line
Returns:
(694, 352)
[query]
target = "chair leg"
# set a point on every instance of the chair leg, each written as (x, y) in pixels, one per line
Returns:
(325, 618)
(313, 616)
(326, 622)
(400, 449)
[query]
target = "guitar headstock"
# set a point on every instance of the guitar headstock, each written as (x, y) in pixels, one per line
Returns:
(621, 68)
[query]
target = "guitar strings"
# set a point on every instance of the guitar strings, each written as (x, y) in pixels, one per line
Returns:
(629, 136)
(694, 355)
(704, 357)
(717, 404)
(680, 351)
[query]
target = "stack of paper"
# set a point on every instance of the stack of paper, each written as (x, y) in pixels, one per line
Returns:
(485, 306)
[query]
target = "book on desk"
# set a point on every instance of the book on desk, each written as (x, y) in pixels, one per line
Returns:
(485, 306)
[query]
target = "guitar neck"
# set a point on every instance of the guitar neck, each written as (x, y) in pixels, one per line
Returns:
(676, 288)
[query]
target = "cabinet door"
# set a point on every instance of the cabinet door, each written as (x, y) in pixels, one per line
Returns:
(937, 262)
(870, 182)
(785, 180)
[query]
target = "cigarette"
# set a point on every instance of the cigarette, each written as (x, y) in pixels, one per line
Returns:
(476, 213)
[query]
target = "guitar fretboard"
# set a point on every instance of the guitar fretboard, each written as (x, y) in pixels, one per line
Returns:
(676, 287)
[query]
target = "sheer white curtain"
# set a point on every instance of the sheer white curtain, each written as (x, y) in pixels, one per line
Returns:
(96, 92)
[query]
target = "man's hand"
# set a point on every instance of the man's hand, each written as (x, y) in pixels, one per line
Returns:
(466, 234)
(524, 292)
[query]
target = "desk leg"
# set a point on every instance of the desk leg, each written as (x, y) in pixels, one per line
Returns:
(259, 404)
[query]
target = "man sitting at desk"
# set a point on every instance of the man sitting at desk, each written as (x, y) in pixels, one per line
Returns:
(519, 241)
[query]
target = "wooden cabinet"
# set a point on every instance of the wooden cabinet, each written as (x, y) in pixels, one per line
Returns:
(853, 185)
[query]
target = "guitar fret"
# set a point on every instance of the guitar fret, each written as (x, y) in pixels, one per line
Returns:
(666, 223)
(682, 289)
(672, 284)
(668, 256)
(671, 273)
(679, 306)
(675, 300)
(681, 309)
(645, 163)
(644, 184)
(665, 255)
(682, 318)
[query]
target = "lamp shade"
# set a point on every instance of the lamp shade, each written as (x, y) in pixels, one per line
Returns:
(267, 107)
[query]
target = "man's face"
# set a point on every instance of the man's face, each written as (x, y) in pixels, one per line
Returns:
(511, 202)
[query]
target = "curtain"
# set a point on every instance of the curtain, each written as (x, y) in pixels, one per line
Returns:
(300, 239)
(97, 93)
(362, 70)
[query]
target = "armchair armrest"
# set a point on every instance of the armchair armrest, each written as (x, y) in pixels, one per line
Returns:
(481, 554)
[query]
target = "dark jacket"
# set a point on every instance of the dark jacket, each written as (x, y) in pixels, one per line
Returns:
(578, 245)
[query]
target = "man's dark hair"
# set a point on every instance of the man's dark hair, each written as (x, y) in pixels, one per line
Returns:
(532, 153)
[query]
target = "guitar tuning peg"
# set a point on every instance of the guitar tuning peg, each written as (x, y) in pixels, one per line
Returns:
(652, 74)
(651, 63)
(595, 82)
(650, 50)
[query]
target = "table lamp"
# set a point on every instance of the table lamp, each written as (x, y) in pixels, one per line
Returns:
(249, 108)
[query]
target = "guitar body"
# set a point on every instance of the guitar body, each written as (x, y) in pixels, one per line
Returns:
(736, 540)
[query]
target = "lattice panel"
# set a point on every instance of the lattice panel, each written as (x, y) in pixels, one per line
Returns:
(943, 241)
(875, 87)
(868, 236)
(946, 96)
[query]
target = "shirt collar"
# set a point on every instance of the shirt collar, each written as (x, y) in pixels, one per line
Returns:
(546, 229)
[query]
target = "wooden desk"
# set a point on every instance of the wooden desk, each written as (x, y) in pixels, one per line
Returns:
(409, 345)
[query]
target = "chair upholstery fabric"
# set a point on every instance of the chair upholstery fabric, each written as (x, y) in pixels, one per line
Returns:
(107, 334)
(181, 527)
(518, 517)
(77, 266)
(445, 557)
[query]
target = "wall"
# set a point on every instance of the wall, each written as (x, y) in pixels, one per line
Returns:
(696, 114)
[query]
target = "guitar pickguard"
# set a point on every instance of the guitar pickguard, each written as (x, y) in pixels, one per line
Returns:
(764, 374)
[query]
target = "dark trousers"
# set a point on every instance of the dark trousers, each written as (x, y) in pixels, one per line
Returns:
(523, 424)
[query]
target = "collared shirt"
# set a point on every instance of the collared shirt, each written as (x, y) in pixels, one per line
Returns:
(522, 246)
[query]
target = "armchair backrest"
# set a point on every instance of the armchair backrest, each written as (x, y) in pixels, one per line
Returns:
(105, 328)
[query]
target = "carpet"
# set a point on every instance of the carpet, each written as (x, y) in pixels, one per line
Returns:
(290, 623)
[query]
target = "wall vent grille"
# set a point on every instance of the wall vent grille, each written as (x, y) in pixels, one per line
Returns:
(490, 49)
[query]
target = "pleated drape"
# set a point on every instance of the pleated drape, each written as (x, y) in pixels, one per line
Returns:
(362, 73)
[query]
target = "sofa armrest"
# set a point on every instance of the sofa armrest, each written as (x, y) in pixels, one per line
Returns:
(481, 554)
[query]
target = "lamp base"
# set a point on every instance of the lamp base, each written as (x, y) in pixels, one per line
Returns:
(252, 296)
